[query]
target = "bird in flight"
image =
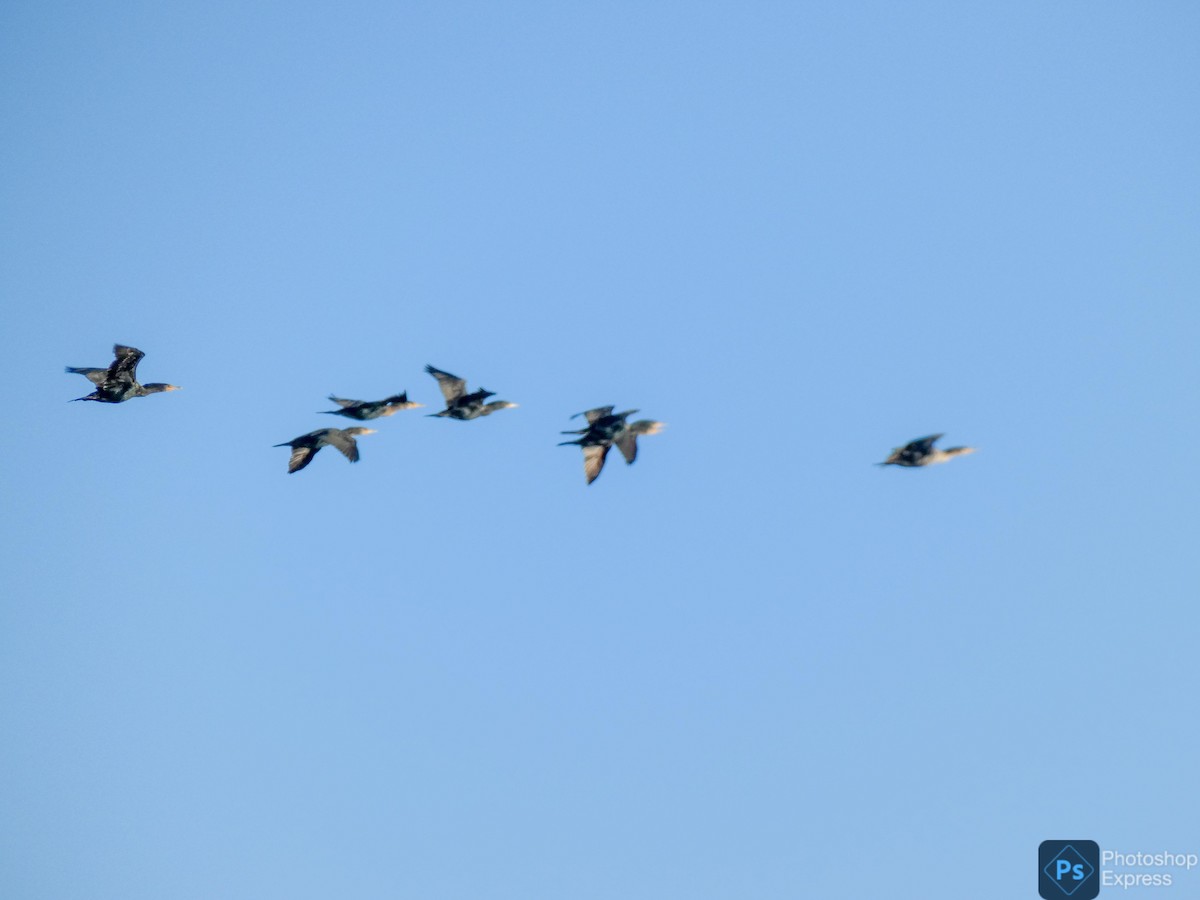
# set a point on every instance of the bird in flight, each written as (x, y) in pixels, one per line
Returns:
(606, 430)
(371, 409)
(461, 405)
(921, 452)
(305, 447)
(118, 382)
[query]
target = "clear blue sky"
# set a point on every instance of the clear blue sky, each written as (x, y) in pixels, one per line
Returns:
(751, 665)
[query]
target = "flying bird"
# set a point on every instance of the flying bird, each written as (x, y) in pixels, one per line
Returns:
(305, 447)
(118, 382)
(461, 405)
(921, 452)
(605, 430)
(371, 409)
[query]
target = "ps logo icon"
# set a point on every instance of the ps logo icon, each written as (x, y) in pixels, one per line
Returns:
(1068, 869)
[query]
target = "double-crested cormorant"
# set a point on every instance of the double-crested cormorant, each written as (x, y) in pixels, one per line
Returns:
(305, 447)
(921, 452)
(604, 430)
(371, 409)
(460, 404)
(118, 382)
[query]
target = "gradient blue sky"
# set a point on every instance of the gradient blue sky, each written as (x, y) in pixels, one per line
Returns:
(750, 665)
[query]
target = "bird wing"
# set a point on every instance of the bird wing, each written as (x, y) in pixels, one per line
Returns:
(452, 386)
(343, 403)
(593, 460)
(343, 442)
(593, 415)
(627, 444)
(397, 398)
(921, 445)
(95, 376)
(124, 367)
(301, 457)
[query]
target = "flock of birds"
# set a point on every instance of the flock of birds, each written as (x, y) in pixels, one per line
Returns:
(605, 429)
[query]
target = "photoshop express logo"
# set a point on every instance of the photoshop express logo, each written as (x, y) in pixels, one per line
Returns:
(1068, 869)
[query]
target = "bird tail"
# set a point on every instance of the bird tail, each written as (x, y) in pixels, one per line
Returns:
(284, 444)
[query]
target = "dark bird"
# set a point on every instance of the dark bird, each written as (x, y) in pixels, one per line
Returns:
(921, 452)
(606, 429)
(371, 409)
(118, 382)
(460, 404)
(305, 447)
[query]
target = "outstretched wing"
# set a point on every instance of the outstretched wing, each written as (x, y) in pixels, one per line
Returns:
(343, 403)
(124, 367)
(301, 457)
(627, 443)
(593, 460)
(343, 442)
(921, 446)
(452, 386)
(594, 415)
(95, 376)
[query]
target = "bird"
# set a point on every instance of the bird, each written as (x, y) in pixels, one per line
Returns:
(921, 452)
(606, 429)
(371, 409)
(461, 405)
(305, 447)
(118, 382)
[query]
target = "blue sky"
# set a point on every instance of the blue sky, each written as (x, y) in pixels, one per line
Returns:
(750, 665)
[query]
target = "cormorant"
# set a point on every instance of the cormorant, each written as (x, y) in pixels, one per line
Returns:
(371, 409)
(604, 430)
(921, 452)
(118, 382)
(460, 404)
(305, 447)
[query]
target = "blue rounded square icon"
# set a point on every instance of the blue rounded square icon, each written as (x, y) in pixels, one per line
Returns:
(1068, 869)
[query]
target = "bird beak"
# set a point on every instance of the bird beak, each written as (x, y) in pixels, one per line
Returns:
(174, 387)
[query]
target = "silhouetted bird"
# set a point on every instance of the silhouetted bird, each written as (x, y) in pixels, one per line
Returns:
(371, 409)
(604, 430)
(460, 404)
(305, 447)
(118, 382)
(921, 452)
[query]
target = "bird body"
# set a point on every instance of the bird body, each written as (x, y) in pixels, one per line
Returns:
(371, 409)
(921, 452)
(118, 382)
(305, 447)
(461, 405)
